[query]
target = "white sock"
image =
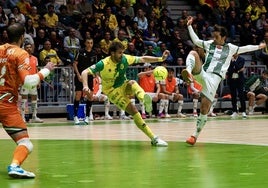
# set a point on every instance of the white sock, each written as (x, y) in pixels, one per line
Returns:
(201, 121)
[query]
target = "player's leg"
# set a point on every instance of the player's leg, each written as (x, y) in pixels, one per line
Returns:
(201, 120)
(121, 100)
(193, 66)
(134, 88)
(17, 130)
(33, 94)
(251, 102)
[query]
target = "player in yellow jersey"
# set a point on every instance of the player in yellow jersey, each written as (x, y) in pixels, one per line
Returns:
(115, 85)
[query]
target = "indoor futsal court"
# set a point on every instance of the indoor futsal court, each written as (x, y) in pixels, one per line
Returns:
(230, 153)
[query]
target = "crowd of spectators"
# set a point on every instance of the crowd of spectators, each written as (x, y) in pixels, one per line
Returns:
(138, 24)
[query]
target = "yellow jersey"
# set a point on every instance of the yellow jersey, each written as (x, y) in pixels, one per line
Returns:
(113, 74)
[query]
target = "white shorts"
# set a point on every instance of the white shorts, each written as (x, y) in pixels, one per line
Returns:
(152, 95)
(26, 91)
(210, 83)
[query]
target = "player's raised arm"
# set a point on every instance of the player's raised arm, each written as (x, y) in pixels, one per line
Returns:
(152, 59)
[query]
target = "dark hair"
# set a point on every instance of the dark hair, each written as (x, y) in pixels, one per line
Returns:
(222, 30)
(15, 31)
(116, 46)
(265, 72)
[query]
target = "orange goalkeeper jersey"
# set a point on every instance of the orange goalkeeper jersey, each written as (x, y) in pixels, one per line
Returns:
(14, 66)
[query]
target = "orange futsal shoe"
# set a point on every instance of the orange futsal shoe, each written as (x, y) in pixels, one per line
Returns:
(191, 140)
(186, 76)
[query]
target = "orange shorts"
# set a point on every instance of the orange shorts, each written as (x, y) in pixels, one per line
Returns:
(10, 115)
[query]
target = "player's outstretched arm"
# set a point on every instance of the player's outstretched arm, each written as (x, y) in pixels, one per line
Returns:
(152, 59)
(34, 79)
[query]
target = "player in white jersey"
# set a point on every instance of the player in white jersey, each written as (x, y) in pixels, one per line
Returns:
(210, 73)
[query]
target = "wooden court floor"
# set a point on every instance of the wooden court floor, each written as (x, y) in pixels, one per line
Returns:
(229, 153)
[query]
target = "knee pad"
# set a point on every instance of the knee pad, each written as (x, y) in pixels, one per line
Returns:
(27, 143)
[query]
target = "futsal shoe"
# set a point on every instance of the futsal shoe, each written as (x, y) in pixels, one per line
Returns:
(37, 120)
(147, 101)
(76, 120)
(244, 115)
(191, 140)
(186, 76)
(181, 115)
(156, 141)
(19, 173)
(108, 117)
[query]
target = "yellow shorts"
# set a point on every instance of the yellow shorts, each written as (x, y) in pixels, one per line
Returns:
(118, 96)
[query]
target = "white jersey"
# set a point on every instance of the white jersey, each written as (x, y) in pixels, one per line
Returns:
(218, 57)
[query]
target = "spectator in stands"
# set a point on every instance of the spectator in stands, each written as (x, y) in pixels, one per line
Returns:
(24, 7)
(113, 24)
(123, 15)
(218, 14)
(105, 43)
(260, 25)
(164, 16)
(151, 35)
(123, 26)
(157, 8)
(179, 51)
(131, 50)
(71, 44)
(165, 33)
(152, 17)
(206, 8)
(56, 6)
(144, 5)
(150, 51)
(159, 53)
(51, 18)
(236, 80)
(152, 88)
(138, 41)
(39, 42)
(84, 6)
(53, 81)
(121, 38)
(184, 15)
(232, 7)
(98, 8)
(170, 87)
(65, 20)
(233, 24)
(29, 28)
(253, 69)
(130, 9)
(247, 34)
(19, 17)
(257, 90)
(141, 19)
(264, 52)
(254, 11)
(4, 37)
(183, 32)
(3, 19)
(86, 57)
(261, 6)
(25, 92)
(41, 8)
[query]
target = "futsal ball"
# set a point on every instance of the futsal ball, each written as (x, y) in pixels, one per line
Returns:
(160, 73)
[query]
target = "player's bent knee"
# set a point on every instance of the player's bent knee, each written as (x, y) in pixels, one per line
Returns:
(27, 143)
